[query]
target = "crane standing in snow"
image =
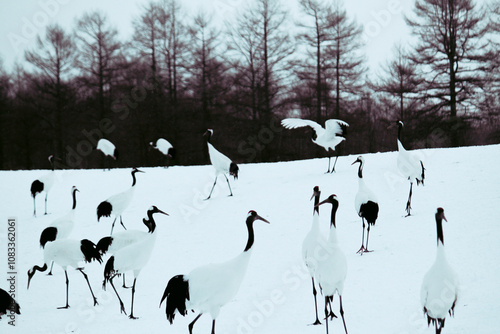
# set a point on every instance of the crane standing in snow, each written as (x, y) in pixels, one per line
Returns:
(44, 183)
(116, 204)
(165, 148)
(68, 252)
(312, 244)
(440, 286)
(366, 205)
(410, 167)
(131, 257)
(332, 269)
(209, 287)
(328, 137)
(61, 227)
(222, 164)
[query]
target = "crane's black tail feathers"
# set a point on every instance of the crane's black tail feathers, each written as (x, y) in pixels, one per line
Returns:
(90, 251)
(437, 323)
(109, 271)
(369, 211)
(233, 170)
(48, 234)
(104, 210)
(7, 303)
(103, 245)
(36, 187)
(176, 293)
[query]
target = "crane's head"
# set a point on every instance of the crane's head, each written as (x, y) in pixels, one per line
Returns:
(153, 209)
(253, 216)
(440, 214)
(135, 170)
(316, 192)
(360, 159)
(332, 199)
(73, 189)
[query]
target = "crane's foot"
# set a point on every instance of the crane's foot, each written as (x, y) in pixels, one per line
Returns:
(63, 307)
(95, 301)
(331, 315)
(317, 322)
(361, 250)
(132, 317)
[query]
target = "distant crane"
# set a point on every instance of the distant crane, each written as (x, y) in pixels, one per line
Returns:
(312, 244)
(222, 164)
(165, 148)
(410, 167)
(68, 252)
(44, 183)
(366, 204)
(8, 304)
(116, 204)
(328, 137)
(209, 287)
(60, 228)
(132, 257)
(440, 287)
(332, 269)
(107, 148)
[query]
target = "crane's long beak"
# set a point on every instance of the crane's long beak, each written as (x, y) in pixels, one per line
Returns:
(446, 220)
(325, 201)
(357, 160)
(166, 214)
(260, 218)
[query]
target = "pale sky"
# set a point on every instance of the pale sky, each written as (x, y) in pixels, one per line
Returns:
(21, 20)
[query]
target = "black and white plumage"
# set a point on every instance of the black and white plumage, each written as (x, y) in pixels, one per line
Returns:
(68, 253)
(116, 204)
(8, 304)
(107, 148)
(366, 204)
(209, 287)
(130, 257)
(410, 167)
(332, 267)
(328, 137)
(311, 247)
(165, 148)
(440, 287)
(222, 164)
(43, 184)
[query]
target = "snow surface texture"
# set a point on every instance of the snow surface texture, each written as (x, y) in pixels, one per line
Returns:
(382, 288)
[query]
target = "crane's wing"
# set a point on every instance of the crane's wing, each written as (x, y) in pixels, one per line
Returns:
(335, 126)
(293, 123)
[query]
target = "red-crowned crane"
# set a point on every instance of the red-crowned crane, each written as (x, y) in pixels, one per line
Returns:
(410, 167)
(8, 304)
(328, 137)
(60, 228)
(132, 257)
(332, 267)
(440, 287)
(107, 148)
(44, 183)
(366, 205)
(312, 246)
(116, 204)
(165, 148)
(209, 287)
(68, 253)
(222, 164)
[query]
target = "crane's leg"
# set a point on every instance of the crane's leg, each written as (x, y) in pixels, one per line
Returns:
(367, 237)
(131, 316)
(190, 327)
(328, 171)
(317, 322)
(335, 163)
(46, 194)
(121, 222)
(326, 313)
(122, 307)
(408, 204)
(213, 326)
(34, 207)
(88, 283)
(124, 285)
(67, 289)
(362, 248)
(331, 314)
(51, 266)
(113, 226)
(228, 185)
(212, 188)
(342, 314)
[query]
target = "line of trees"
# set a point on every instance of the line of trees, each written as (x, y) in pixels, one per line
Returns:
(178, 75)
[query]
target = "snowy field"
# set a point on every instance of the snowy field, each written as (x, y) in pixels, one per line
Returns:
(382, 289)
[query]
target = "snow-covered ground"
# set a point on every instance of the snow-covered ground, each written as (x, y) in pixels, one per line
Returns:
(382, 289)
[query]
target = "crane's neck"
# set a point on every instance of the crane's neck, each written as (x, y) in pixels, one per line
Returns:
(360, 170)
(74, 199)
(133, 178)
(439, 226)
(209, 136)
(251, 235)
(316, 202)
(51, 160)
(335, 206)
(150, 222)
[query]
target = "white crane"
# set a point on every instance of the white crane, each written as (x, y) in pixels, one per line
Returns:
(43, 183)
(8, 304)
(332, 267)
(165, 148)
(132, 257)
(222, 164)
(68, 253)
(60, 228)
(209, 287)
(328, 137)
(116, 204)
(311, 247)
(366, 205)
(440, 287)
(107, 148)
(409, 166)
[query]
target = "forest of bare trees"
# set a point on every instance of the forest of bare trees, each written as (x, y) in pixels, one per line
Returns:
(180, 74)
